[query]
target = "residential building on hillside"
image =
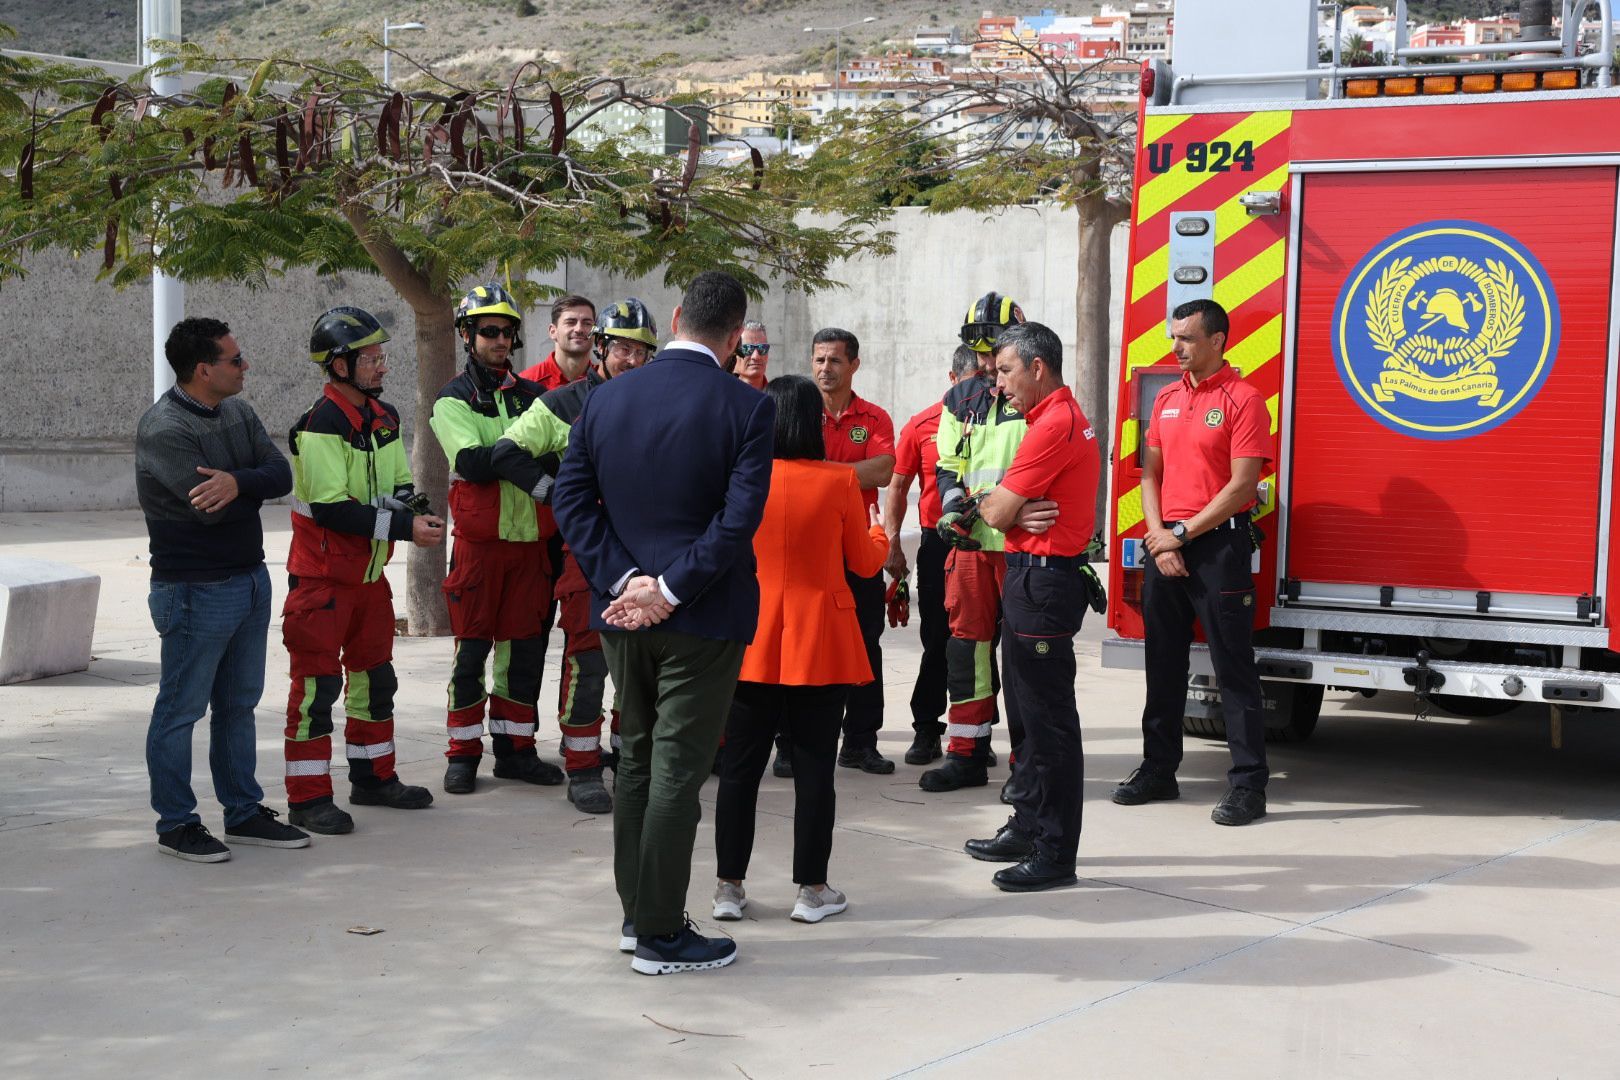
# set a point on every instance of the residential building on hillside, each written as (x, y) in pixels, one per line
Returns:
(755, 102)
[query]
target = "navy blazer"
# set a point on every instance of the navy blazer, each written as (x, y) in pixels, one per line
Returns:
(666, 472)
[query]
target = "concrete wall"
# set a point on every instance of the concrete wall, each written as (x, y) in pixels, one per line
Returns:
(67, 422)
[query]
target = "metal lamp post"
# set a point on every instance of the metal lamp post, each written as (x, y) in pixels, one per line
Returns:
(388, 28)
(838, 51)
(160, 24)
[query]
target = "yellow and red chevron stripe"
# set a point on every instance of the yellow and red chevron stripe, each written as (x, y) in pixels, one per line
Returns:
(1250, 269)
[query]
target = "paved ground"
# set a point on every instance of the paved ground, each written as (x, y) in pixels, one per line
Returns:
(1425, 899)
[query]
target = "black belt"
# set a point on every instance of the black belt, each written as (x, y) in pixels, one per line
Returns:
(1238, 521)
(1057, 562)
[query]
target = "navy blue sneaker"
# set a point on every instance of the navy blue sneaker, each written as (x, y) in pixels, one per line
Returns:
(684, 950)
(627, 937)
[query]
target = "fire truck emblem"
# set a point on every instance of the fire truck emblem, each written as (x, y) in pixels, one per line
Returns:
(1446, 330)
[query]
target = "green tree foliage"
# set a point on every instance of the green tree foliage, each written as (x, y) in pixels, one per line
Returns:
(285, 163)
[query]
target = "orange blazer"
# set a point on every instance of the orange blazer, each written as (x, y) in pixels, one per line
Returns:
(814, 526)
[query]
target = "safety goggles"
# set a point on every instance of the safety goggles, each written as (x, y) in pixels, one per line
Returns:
(744, 350)
(628, 350)
(490, 333)
(978, 336)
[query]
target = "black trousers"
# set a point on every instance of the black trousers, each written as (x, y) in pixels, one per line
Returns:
(863, 715)
(1219, 593)
(928, 698)
(808, 716)
(1041, 609)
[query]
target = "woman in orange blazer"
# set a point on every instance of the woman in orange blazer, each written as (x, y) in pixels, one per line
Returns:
(806, 654)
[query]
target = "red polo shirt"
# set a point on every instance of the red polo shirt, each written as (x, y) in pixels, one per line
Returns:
(864, 432)
(917, 455)
(546, 373)
(1057, 460)
(1199, 430)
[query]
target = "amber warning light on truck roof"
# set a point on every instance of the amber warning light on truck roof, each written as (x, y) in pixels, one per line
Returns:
(1480, 83)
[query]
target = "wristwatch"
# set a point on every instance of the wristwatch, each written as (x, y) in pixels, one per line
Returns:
(1179, 531)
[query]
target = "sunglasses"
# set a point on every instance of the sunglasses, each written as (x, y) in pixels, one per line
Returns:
(238, 360)
(493, 332)
(744, 350)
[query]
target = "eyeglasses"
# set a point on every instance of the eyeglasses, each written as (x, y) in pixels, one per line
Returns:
(493, 332)
(626, 350)
(239, 360)
(762, 349)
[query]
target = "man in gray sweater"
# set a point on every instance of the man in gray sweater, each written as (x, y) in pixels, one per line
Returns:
(203, 467)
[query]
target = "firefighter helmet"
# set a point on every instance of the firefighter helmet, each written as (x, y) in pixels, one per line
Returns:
(990, 315)
(344, 330)
(490, 299)
(628, 319)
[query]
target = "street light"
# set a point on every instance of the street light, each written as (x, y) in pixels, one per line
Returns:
(838, 50)
(387, 28)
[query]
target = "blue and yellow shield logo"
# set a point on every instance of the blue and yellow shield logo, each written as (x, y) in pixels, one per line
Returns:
(1446, 330)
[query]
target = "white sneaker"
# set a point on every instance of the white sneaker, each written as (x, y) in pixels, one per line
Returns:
(815, 905)
(729, 901)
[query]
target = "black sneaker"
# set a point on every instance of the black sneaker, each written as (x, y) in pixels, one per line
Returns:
(461, 776)
(924, 749)
(1010, 844)
(395, 793)
(1146, 785)
(868, 760)
(323, 817)
(529, 768)
(1034, 874)
(193, 843)
(263, 830)
(782, 767)
(627, 937)
(587, 792)
(1239, 806)
(684, 950)
(957, 772)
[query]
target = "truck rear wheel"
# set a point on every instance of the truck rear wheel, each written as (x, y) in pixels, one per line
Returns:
(1292, 710)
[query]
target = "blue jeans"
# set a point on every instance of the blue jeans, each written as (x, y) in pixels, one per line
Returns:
(213, 661)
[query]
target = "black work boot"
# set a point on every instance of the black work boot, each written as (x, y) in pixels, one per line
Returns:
(528, 767)
(587, 792)
(461, 776)
(867, 760)
(1146, 785)
(1010, 844)
(924, 749)
(957, 772)
(323, 817)
(394, 793)
(1239, 806)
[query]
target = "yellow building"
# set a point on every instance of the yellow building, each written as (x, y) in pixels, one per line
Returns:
(754, 101)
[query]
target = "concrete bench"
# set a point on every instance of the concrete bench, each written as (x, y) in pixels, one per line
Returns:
(47, 618)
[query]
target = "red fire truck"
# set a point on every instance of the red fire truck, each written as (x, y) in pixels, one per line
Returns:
(1419, 262)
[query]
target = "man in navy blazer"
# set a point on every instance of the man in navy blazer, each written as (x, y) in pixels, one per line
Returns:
(659, 496)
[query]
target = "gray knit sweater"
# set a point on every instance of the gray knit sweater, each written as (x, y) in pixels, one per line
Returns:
(174, 437)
